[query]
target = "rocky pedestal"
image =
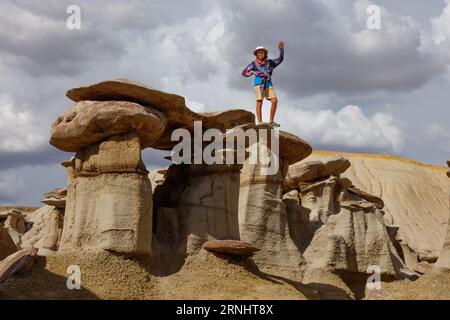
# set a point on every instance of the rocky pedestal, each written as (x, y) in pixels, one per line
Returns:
(262, 213)
(352, 240)
(109, 200)
(343, 230)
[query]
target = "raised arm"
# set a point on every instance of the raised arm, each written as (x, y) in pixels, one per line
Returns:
(248, 71)
(277, 61)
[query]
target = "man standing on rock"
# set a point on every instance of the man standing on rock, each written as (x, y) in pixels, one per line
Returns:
(262, 69)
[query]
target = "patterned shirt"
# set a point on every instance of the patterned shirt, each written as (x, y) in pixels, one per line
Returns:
(263, 72)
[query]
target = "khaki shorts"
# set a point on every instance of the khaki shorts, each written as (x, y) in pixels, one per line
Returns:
(269, 94)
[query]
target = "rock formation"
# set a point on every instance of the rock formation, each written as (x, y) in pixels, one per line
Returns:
(18, 262)
(262, 213)
(14, 222)
(314, 170)
(415, 198)
(172, 106)
(197, 203)
(7, 245)
(56, 198)
(109, 201)
(235, 247)
(448, 172)
(274, 208)
(89, 122)
(45, 223)
(343, 230)
(444, 257)
(352, 240)
(109, 197)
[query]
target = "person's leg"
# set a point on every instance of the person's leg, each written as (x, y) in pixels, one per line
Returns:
(258, 110)
(259, 102)
(273, 108)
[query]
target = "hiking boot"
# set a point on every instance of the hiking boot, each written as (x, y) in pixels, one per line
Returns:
(273, 124)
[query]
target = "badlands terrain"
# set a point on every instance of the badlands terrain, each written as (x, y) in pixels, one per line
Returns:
(317, 228)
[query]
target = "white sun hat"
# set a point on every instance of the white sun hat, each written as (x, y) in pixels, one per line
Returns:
(260, 48)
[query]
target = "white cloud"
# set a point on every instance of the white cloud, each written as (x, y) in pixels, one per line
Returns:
(195, 106)
(348, 127)
(441, 26)
(19, 130)
(329, 48)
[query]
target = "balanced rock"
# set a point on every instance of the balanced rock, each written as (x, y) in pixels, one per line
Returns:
(367, 196)
(235, 247)
(292, 148)
(172, 106)
(314, 170)
(18, 262)
(353, 240)
(56, 198)
(89, 122)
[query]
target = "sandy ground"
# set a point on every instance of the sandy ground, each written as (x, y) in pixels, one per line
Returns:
(106, 276)
(434, 285)
(203, 276)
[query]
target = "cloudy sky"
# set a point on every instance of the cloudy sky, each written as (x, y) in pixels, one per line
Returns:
(342, 86)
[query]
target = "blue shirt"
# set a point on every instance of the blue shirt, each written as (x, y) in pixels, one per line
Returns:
(259, 80)
(263, 71)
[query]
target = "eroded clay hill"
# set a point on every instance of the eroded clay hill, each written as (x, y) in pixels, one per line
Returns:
(300, 226)
(415, 195)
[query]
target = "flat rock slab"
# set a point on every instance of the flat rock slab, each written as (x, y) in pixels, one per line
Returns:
(58, 203)
(16, 263)
(367, 196)
(171, 105)
(292, 148)
(235, 247)
(311, 171)
(89, 122)
(58, 193)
